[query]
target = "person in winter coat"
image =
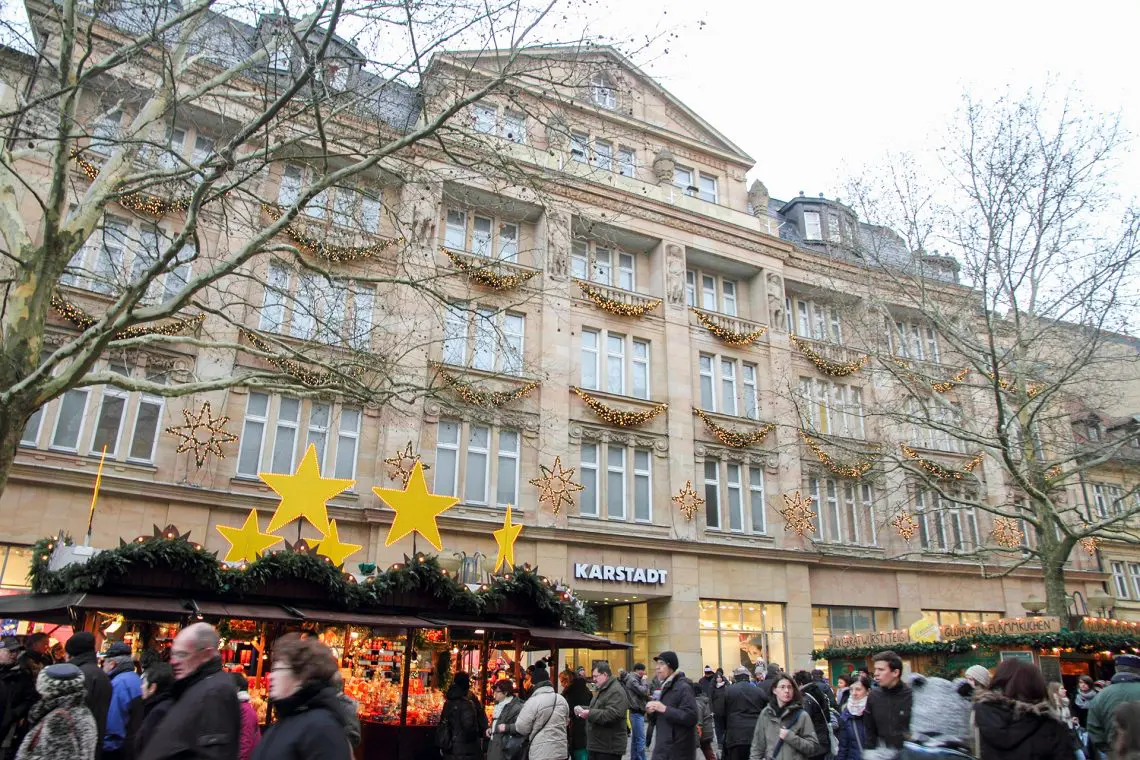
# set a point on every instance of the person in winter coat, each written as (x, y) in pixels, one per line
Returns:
(577, 694)
(888, 707)
(1125, 687)
(19, 688)
(1126, 744)
(157, 685)
(706, 725)
(204, 722)
(606, 736)
(825, 688)
(1014, 721)
(250, 730)
(507, 708)
(843, 692)
(310, 723)
(124, 716)
(784, 728)
(462, 724)
(637, 687)
(1082, 701)
(770, 678)
(80, 651)
(673, 713)
(543, 719)
(1059, 701)
(716, 700)
(349, 709)
(740, 709)
(818, 708)
(705, 684)
(61, 726)
(852, 733)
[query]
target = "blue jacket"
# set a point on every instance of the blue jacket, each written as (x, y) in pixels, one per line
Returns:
(126, 708)
(852, 737)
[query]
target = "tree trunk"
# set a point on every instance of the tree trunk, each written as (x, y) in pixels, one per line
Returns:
(12, 423)
(1053, 567)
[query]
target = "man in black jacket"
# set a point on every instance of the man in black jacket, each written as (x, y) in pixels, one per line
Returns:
(637, 687)
(706, 682)
(673, 713)
(741, 707)
(817, 708)
(887, 717)
(19, 688)
(80, 650)
(204, 722)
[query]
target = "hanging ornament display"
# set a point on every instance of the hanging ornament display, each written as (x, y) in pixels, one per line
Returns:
(202, 433)
(617, 417)
(825, 365)
(144, 203)
(304, 494)
(332, 547)
(905, 524)
(556, 485)
(688, 501)
(84, 321)
(290, 367)
(486, 275)
(726, 336)
(854, 471)
(416, 509)
(505, 537)
(246, 542)
(939, 471)
(401, 465)
(1090, 543)
(612, 306)
(1031, 389)
(1006, 533)
(491, 399)
(731, 437)
(944, 386)
(337, 254)
(797, 514)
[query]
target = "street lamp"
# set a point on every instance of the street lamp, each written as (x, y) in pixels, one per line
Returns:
(1034, 605)
(1100, 601)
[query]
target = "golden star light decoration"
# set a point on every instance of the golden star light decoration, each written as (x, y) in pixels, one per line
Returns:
(304, 493)
(688, 500)
(247, 541)
(202, 433)
(1006, 533)
(332, 547)
(416, 509)
(401, 465)
(905, 524)
(1090, 544)
(797, 513)
(505, 537)
(556, 485)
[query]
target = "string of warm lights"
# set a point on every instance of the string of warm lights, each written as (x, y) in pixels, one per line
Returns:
(477, 397)
(607, 304)
(1006, 533)
(797, 514)
(733, 438)
(1031, 389)
(338, 254)
(944, 386)
(729, 337)
(617, 417)
(84, 321)
(1053, 473)
(939, 471)
(556, 484)
(144, 203)
(905, 524)
(827, 366)
(486, 276)
(842, 469)
(1090, 543)
(688, 500)
(214, 427)
(288, 366)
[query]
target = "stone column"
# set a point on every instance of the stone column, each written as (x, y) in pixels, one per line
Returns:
(674, 622)
(677, 357)
(797, 618)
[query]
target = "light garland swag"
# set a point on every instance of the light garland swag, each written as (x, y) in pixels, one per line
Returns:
(729, 337)
(144, 203)
(617, 417)
(731, 437)
(944, 386)
(338, 254)
(84, 321)
(494, 399)
(827, 366)
(939, 471)
(487, 277)
(1031, 389)
(607, 304)
(853, 471)
(288, 366)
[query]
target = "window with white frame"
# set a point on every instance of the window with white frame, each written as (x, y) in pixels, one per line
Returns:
(834, 229)
(357, 208)
(1134, 574)
(813, 319)
(846, 511)
(626, 161)
(597, 262)
(931, 423)
(728, 386)
(579, 147)
(944, 525)
(170, 153)
(813, 229)
(481, 234)
(281, 51)
(484, 118)
(615, 363)
(617, 482)
(489, 119)
(1107, 499)
(913, 341)
(735, 491)
(289, 189)
(696, 183)
(513, 127)
(706, 188)
(832, 408)
(483, 339)
(711, 292)
(477, 463)
(309, 306)
(1119, 580)
(602, 92)
(277, 431)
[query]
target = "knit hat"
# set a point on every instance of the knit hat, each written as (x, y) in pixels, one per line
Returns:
(940, 712)
(10, 643)
(540, 673)
(979, 674)
(118, 649)
(740, 670)
(56, 680)
(670, 659)
(80, 643)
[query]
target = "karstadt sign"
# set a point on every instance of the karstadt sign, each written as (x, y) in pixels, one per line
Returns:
(586, 571)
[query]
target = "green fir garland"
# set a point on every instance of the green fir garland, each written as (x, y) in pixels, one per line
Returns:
(1078, 640)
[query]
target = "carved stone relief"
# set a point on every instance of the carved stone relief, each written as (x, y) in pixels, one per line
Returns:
(675, 275)
(775, 301)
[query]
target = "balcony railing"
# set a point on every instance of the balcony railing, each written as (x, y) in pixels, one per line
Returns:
(728, 322)
(486, 269)
(832, 351)
(618, 295)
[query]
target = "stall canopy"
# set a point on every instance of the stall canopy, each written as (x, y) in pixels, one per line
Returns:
(363, 618)
(564, 638)
(60, 608)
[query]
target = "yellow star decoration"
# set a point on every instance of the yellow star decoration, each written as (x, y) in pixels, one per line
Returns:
(247, 541)
(797, 513)
(400, 466)
(1090, 544)
(688, 500)
(506, 537)
(332, 547)
(304, 493)
(1006, 533)
(416, 509)
(202, 433)
(556, 485)
(905, 524)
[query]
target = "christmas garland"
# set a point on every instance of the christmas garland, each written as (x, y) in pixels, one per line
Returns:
(288, 366)
(827, 366)
(486, 276)
(338, 254)
(731, 437)
(939, 471)
(943, 386)
(617, 417)
(607, 304)
(144, 203)
(81, 319)
(853, 471)
(1078, 640)
(494, 399)
(1031, 389)
(729, 337)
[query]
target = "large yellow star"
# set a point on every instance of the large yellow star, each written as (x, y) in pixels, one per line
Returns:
(416, 509)
(506, 537)
(247, 541)
(304, 493)
(332, 547)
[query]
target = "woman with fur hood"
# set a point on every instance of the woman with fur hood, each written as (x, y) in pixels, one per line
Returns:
(62, 725)
(1014, 720)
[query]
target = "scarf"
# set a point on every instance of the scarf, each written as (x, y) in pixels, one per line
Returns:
(498, 712)
(856, 706)
(1085, 698)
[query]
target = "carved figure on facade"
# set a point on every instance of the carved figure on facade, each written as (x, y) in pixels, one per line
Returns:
(675, 275)
(663, 166)
(775, 301)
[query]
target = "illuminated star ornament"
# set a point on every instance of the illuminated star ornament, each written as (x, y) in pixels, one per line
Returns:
(688, 500)
(400, 466)
(505, 537)
(332, 547)
(905, 524)
(556, 485)
(1006, 533)
(797, 513)
(1090, 544)
(304, 493)
(247, 541)
(202, 433)
(416, 509)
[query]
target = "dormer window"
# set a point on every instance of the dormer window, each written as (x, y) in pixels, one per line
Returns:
(602, 92)
(281, 53)
(336, 74)
(813, 228)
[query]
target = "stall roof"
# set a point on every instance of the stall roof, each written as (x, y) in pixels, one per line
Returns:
(567, 638)
(53, 608)
(362, 618)
(47, 608)
(246, 611)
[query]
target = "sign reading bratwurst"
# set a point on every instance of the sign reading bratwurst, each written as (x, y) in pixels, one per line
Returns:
(618, 574)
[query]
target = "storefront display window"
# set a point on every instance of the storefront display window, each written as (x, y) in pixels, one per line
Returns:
(741, 633)
(15, 561)
(828, 622)
(958, 617)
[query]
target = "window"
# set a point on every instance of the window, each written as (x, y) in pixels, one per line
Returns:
(829, 622)
(603, 93)
(31, 434)
(110, 421)
(708, 395)
(913, 341)
(735, 396)
(69, 423)
(712, 494)
(506, 489)
(514, 127)
(616, 484)
(832, 408)
(1119, 580)
(717, 293)
(120, 254)
(642, 486)
(203, 149)
(588, 501)
(318, 429)
(327, 311)
(484, 118)
(944, 524)
(1134, 572)
(595, 262)
(626, 161)
(846, 511)
(170, 159)
(683, 178)
(100, 264)
(289, 190)
(707, 191)
(336, 74)
(626, 363)
(813, 319)
(15, 562)
(604, 155)
(740, 506)
(833, 228)
(274, 438)
(739, 633)
(931, 425)
(579, 146)
(812, 227)
(106, 132)
(748, 390)
(482, 235)
(728, 386)
(281, 52)
(1107, 499)
(483, 458)
(625, 491)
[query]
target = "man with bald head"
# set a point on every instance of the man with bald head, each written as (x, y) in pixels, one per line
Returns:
(205, 721)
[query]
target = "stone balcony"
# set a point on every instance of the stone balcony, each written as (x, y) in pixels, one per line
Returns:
(480, 266)
(617, 295)
(831, 351)
(729, 322)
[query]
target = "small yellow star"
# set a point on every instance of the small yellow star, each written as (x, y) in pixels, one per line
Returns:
(688, 500)
(304, 493)
(332, 547)
(797, 513)
(905, 524)
(247, 541)
(506, 537)
(416, 509)
(400, 466)
(202, 433)
(556, 485)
